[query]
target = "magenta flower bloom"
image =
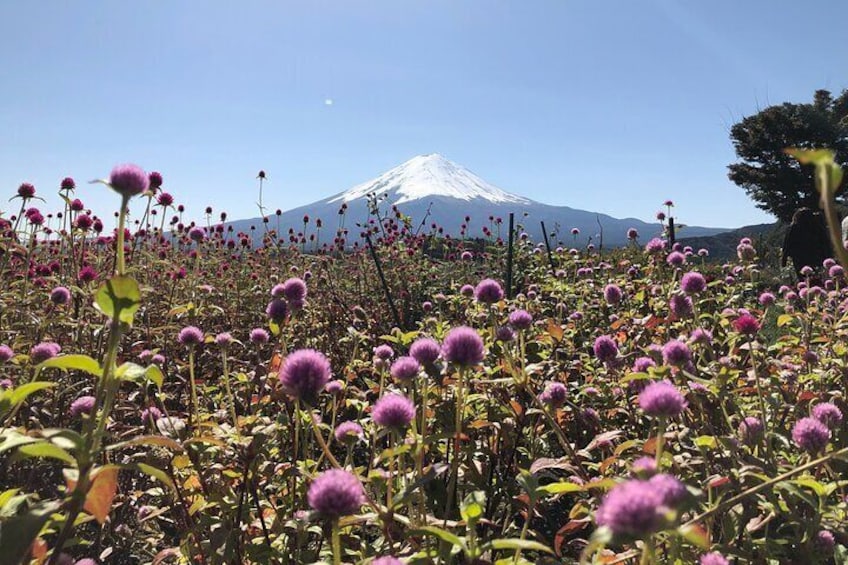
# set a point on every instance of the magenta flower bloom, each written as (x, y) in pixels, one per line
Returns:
(612, 294)
(60, 296)
(467, 290)
(713, 558)
(223, 339)
(82, 405)
(641, 364)
(751, 430)
(334, 387)
(150, 414)
(190, 336)
(383, 352)
(165, 199)
(405, 369)
(504, 334)
(348, 433)
(828, 414)
(644, 467)
(670, 490)
(554, 395)
(662, 400)
(700, 335)
(676, 353)
(676, 259)
(810, 435)
(425, 351)
(196, 234)
(277, 310)
(128, 180)
(681, 305)
(746, 324)
(655, 245)
(393, 411)
(693, 282)
(463, 346)
(26, 190)
(488, 291)
(155, 180)
(631, 509)
(292, 289)
(605, 349)
(258, 336)
(632, 234)
(825, 542)
(388, 559)
(336, 493)
(766, 299)
(521, 319)
(44, 351)
(304, 374)
(6, 353)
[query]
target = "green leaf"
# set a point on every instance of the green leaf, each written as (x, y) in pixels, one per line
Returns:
(784, 319)
(18, 533)
(443, 535)
(473, 507)
(119, 296)
(18, 394)
(516, 543)
(709, 442)
(160, 441)
(560, 487)
(157, 474)
(136, 373)
(696, 535)
(82, 363)
(48, 450)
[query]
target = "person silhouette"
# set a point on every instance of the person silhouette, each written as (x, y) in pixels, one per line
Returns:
(806, 241)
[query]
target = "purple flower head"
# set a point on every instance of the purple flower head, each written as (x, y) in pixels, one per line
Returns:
(82, 405)
(825, 542)
(6, 353)
(165, 199)
(676, 353)
(334, 387)
(655, 245)
(425, 351)
(746, 324)
(336, 493)
(612, 294)
(60, 295)
(128, 180)
(155, 180)
(680, 305)
(746, 252)
(393, 411)
(349, 433)
(806, 270)
(405, 369)
(700, 335)
(713, 558)
(387, 560)
(828, 414)
(383, 352)
(504, 334)
(86, 561)
(463, 346)
(26, 190)
(605, 349)
(467, 290)
(44, 351)
(676, 259)
(150, 414)
(693, 282)
(836, 272)
(223, 339)
(277, 310)
(810, 435)
(632, 234)
(304, 374)
(520, 319)
(190, 336)
(554, 395)
(662, 400)
(466, 256)
(196, 234)
(631, 509)
(641, 364)
(488, 291)
(644, 467)
(671, 491)
(294, 289)
(158, 360)
(259, 336)
(751, 430)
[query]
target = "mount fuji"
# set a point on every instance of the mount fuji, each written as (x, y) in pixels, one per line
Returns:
(431, 189)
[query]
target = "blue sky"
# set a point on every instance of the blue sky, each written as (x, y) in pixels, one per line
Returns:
(610, 106)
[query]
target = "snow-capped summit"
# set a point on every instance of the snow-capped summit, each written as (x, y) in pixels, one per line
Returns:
(427, 176)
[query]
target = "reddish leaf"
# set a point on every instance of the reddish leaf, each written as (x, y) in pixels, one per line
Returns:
(98, 501)
(572, 527)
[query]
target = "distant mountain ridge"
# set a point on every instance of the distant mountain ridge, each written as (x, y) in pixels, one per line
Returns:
(434, 190)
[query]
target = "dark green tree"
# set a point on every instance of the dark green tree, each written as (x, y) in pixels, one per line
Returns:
(774, 180)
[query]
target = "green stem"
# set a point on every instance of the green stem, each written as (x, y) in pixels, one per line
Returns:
(337, 544)
(194, 403)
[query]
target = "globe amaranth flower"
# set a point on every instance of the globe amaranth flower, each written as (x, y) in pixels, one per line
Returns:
(642, 364)
(336, 493)
(82, 405)
(676, 259)
(824, 542)
(463, 346)
(170, 426)
(751, 430)
(746, 324)
(155, 180)
(693, 282)
(605, 349)
(304, 374)
(612, 294)
(26, 190)
(277, 310)
(292, 289)
(405, 369)
(828, 414)
(713, 558)
(504, 334)
(44, 351)
(387, 559)
(655, 245)
(488, 291)
(425, 351)
(60, 295)
(632, 509)
(670, 490)
(6, 353)
(632, 234)
(644, 467)
(258, 336)
(662, 400)
(165, 199)
(810, 435)
(467, 290)
(334, 387)
(190, 336)
(223, 339)
(676, 353)
(554, 395)
(150, 414)
(196, 234)
(746, 252)
(128, 180)
(520, 319)
(348, 433)
(383, 352)
(681, 305)
(393, 411)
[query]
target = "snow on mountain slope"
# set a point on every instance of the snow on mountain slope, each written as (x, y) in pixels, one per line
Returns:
(426, 176)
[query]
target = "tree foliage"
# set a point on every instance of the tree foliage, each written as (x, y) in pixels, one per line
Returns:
(774, 180)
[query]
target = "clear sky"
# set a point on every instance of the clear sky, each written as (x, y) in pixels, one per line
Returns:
(610, 106)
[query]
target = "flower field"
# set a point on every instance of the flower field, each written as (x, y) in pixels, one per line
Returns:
(184, 394)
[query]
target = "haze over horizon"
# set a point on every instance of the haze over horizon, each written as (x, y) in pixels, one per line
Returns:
(610, 107)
